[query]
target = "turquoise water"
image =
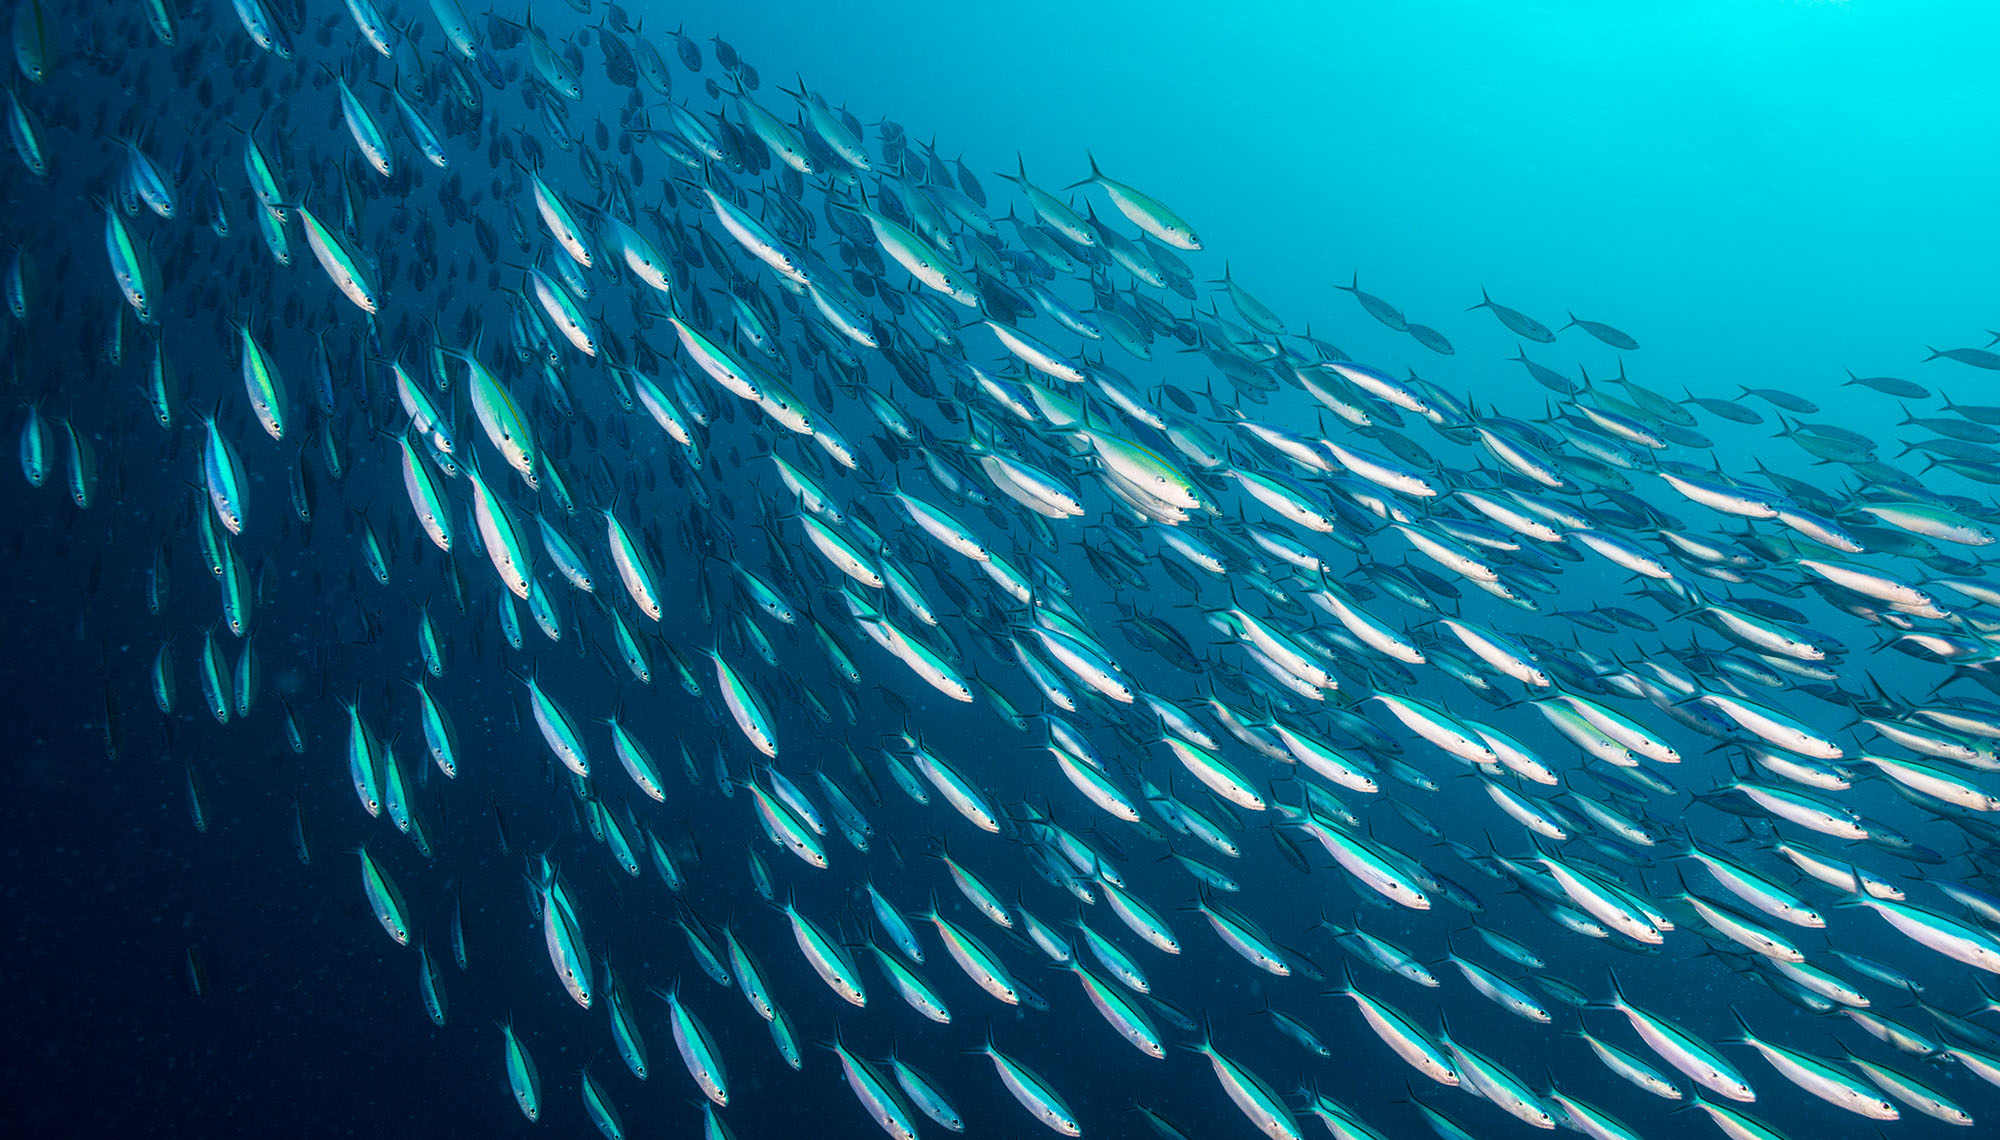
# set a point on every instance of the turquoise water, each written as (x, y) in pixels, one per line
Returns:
(1763, 192)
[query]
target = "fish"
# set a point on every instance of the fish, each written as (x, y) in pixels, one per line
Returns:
(697, 1049)
(522, 1077)
(1032, 1092)
(1142, 210)
(1045, 548)
(1376, 307)
(1516, 322)
(1604, 332)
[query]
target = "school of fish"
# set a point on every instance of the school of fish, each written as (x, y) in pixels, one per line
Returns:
(970, 580)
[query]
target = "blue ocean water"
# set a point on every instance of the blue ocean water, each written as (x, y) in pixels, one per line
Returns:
(1761, 195)
(1767, 190)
